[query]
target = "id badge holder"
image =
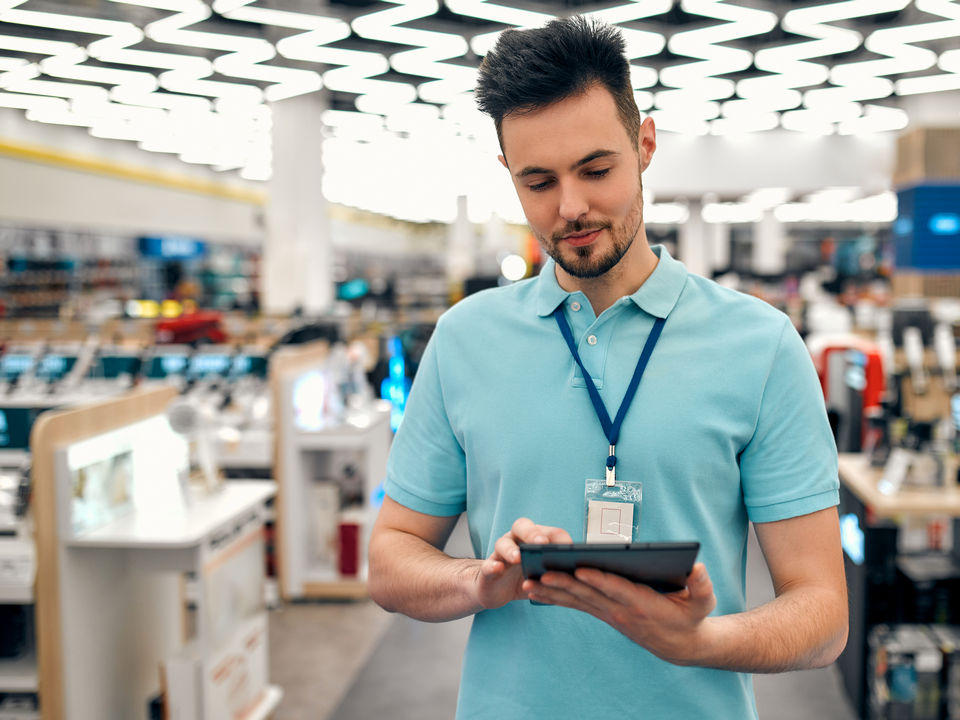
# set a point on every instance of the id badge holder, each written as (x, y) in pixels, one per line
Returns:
(612, 512)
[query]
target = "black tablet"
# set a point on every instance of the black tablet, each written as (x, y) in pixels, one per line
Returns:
(662, 566)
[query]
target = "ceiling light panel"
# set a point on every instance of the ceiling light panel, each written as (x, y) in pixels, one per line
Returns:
(193, 77)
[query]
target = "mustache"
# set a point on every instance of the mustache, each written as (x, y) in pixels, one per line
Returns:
(578, 227)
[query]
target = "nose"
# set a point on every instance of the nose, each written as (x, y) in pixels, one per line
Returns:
(573, 202)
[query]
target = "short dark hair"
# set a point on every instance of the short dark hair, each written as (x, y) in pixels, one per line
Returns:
(530, 69)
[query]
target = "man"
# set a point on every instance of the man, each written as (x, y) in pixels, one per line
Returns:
(727, 426)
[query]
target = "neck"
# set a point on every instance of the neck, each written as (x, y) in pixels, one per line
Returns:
(623, 279)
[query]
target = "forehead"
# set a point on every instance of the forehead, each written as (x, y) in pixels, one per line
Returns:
(565, 131)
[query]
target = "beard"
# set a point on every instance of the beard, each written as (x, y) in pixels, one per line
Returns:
(592, 261)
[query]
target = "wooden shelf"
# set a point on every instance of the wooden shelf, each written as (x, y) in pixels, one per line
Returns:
(861, 479)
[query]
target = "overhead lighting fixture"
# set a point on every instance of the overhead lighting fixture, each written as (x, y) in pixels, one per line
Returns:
(716, 59)
(875, 119)
(876, 209)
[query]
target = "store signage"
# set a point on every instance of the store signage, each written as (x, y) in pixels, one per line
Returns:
(945, 224)
(172, 247)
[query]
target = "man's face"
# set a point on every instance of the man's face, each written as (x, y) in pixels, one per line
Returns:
(578, 178)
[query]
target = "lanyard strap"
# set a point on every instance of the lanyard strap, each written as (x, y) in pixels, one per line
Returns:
(610, 429)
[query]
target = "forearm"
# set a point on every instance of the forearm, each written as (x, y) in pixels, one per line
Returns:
(410, 576)
(796, 631)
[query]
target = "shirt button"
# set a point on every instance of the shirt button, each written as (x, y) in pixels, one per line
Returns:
(592, 339)
(575, 306)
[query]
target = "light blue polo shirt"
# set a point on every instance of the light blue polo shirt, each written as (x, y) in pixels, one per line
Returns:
(728, 425)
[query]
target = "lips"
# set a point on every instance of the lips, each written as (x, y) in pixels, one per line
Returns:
(582, 239)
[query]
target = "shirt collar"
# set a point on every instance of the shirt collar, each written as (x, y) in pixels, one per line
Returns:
(657, 296)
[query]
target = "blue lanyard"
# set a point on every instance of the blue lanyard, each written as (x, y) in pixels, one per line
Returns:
(610, 429)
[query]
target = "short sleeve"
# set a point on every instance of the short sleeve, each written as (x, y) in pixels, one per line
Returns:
(789, 466)
(426, 470)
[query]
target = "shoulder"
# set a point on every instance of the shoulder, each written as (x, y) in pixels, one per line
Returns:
(726, 310)
(491, 306)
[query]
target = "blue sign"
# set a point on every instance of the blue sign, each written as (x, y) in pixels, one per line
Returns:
(172, 247)
(927, 228)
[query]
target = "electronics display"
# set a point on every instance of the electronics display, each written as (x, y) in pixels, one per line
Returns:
(166, 365)
(205, 365)
(54, 366)
(244, 365)
(113, 366)
(15, 426)
(662, 566)
(13, 365)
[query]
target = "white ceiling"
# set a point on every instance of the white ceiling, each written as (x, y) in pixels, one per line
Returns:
(197, 79)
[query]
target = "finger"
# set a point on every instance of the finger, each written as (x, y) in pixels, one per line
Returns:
(556, 535)
(567, 590)
(616, 588)
(506, 550)
(491, 568)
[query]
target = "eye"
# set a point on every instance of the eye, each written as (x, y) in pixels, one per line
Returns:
(597, 173)
(541, 186)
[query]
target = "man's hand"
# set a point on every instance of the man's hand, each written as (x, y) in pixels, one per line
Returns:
(499, 577)
(670, 625)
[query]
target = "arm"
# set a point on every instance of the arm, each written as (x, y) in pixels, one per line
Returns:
(805, 626)
(410, 573)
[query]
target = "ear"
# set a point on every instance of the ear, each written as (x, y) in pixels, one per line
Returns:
(503, 161)
(647, 142)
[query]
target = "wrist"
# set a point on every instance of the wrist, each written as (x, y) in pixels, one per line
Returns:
(699, 647)
(468, 581)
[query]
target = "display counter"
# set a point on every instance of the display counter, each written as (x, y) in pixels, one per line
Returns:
(145, 588)
(885, 584)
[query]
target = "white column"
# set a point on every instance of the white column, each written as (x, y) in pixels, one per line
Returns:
(719, 241)
(461, 250)
(297, 266)
(769, 245)
(692, 243)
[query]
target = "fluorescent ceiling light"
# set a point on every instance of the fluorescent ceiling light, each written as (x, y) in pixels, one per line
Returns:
(727, 213)
(680, 122)
(876, 118)
(703, 43)
(665, 213)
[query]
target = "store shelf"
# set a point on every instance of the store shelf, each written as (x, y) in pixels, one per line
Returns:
(862, 479)
(320, 581)
(16, 594)
(188, 529)
(19, 714)
(19, 674)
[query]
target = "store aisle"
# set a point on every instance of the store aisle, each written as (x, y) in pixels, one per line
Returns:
(401, 669)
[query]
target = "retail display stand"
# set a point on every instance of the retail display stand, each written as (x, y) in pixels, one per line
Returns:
(141, 585)
(870, 523)
(321, 528)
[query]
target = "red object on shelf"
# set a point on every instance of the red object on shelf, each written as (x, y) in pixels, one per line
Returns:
(201, 326)
(823, 347)
(349, 549)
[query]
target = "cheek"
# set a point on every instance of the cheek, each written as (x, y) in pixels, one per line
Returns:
(538, 214)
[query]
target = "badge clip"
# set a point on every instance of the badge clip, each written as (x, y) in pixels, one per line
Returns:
(612, 467)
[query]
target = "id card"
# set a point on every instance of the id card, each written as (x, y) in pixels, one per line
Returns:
(612, 513)
(609, 522)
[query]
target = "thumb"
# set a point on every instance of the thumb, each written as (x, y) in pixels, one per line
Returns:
(701, 589)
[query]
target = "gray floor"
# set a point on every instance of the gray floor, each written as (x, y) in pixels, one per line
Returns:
(355, 662)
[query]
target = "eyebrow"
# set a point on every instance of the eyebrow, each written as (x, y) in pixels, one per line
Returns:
(534, 170)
